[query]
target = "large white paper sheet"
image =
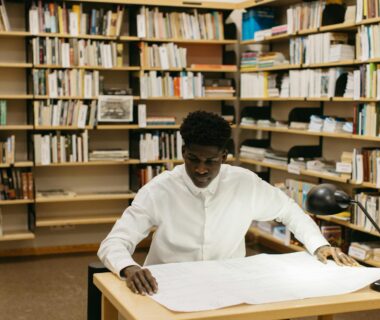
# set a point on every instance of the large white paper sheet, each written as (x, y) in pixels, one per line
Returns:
(264, 278)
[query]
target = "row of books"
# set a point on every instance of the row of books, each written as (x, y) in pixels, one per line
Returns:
(8, 150)
(68, 53)
(60, 148)
(371, 201)
(65, 113)
(160, 145)
(54, 18)
(187, 85)
(301, 83)
(108, 155)
(304, 16)
(367, 119)
(321, 48)
(258, 23)
(367, 9)
(366, 165)
(16, 183)
(4, 19)
(252, 59)
(165, 56)
(3, 112)
(59, 83)
(147, 173)
(368, 42)
(152, 23)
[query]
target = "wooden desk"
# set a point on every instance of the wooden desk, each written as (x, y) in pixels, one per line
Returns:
(116, 297)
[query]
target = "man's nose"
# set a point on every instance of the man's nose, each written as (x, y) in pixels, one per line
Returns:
(201, 168)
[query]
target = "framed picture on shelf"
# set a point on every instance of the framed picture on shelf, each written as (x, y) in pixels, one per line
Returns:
(115, 108)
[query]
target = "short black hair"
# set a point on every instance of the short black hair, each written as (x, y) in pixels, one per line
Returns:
(205, 128)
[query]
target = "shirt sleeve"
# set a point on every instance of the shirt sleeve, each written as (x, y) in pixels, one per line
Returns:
(270, 203)
(134, 225)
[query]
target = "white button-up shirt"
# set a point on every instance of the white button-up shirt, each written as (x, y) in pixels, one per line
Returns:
(202, 223)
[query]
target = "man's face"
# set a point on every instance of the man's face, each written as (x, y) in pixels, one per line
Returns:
(203, 163)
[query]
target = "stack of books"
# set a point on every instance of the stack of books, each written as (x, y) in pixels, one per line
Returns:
(249, 59)
(218, 88)
(252, 152)
(109, 155)
(8, 150)
(305, 15)
(271, 59)
(276, 157)
(165, 56)
(365, 250)
(160, 120)
(16, 183)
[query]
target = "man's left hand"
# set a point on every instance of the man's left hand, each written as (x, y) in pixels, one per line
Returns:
(340, 258)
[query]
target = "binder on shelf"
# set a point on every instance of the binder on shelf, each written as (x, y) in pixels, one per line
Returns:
(303, 114)
(257, 113)
(228, 113)
(257, 143)
(31, 219)
(305, 152)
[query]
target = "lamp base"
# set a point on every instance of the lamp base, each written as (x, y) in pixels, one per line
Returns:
(375, 286)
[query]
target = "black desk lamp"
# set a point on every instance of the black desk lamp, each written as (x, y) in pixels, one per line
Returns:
(327, 199)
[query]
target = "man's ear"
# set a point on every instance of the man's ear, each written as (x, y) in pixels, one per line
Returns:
(224, 156)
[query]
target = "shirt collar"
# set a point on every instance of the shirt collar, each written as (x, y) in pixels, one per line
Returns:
(210, 189)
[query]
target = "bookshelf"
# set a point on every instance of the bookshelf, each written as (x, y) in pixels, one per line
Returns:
(284, 137)
(98, 191)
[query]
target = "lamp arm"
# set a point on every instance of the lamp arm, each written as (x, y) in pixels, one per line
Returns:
(367, 214)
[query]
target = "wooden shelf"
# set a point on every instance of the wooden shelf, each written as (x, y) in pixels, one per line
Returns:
(309, 173)
(275, 68)
(261, 234)
(190, 41)
(85, 220)
(339, 26)
(62, 128)
(347, 224)
(135, 127)
(16, 96)
(124, 68)
(173, 3)
(14, 202)
(87, 164)
(39, 97)
(14, 34)
(280, 37)
(193, 99)
(86, 197)
(274, 99)
(369, 21)
(85, 36)
(15, 65)
(331, 64)
(311, 133)
(20, 164)
(16, 127)
(21, 235)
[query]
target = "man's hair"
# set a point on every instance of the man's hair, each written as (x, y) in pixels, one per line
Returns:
(205, 128)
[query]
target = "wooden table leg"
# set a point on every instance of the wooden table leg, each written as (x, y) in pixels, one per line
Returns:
(109, 312)
(326, 317)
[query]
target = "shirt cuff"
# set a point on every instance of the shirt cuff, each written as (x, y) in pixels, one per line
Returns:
(314, 243)
(123, 264)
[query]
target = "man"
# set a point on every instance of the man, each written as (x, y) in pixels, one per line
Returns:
(202, 210)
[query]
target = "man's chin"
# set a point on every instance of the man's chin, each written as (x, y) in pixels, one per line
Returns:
(201, 183)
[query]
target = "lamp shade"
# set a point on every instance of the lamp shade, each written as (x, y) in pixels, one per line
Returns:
(327, 199)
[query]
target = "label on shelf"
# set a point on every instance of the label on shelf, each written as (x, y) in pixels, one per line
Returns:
(343, 167)
(293, 168)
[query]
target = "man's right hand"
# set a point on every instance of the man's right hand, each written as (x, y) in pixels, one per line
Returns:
(140, 280)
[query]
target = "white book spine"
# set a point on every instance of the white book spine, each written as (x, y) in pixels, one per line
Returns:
(142, 115)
